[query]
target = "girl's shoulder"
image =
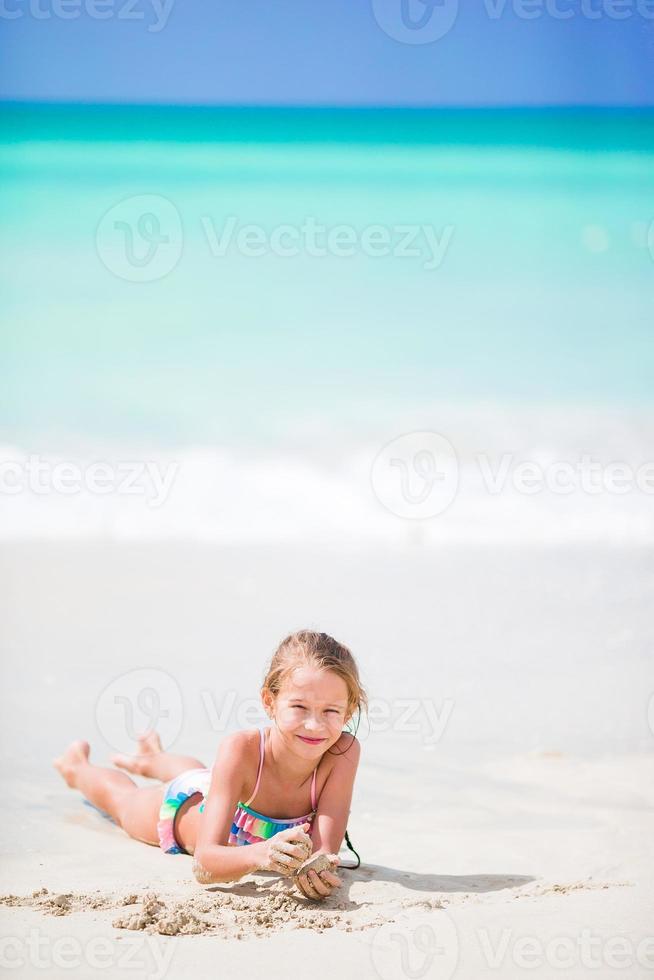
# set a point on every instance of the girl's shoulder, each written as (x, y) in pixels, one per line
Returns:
(349, 743)
(345, 752)
(239, 747)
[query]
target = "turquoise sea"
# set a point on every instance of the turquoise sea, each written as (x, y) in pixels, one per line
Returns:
(545, 291)
(254, 280)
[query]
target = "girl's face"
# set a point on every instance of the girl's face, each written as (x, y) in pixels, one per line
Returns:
(311, 710)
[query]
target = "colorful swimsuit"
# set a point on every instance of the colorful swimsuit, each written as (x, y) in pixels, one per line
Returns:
(248, 826)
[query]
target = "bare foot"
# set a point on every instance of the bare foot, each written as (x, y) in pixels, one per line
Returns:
(68, 764)
(149, 746)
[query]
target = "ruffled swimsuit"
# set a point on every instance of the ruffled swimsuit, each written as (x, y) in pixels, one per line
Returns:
(248, 826)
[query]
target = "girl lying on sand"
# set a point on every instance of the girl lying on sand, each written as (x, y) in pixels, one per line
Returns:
(310, 692)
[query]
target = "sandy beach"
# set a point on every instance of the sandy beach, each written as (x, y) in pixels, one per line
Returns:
(329, 317)
(503, 809)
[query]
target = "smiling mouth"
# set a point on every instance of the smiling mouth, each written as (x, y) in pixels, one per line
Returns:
(311, 741)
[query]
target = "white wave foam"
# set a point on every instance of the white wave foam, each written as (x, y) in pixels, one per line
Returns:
(302, 495)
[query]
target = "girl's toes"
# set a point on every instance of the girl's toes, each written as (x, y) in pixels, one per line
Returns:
(75, 756)
(150, 743)
(128, 762)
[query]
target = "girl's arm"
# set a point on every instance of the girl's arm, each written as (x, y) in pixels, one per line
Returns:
(214, 859)
(330, 822)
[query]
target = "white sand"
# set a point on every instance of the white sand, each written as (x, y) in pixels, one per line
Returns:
(518, 842)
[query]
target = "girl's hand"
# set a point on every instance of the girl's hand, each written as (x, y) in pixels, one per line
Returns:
(319, 884)
(286, 851)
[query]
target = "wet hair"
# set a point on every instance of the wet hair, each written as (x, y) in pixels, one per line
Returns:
(308, 649)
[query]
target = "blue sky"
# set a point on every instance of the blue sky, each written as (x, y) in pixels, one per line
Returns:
(341, 52)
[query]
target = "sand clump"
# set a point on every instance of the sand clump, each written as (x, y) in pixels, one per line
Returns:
(59, 903)
(167, 920)
(321, 862)
(277, 907)
(234, 916)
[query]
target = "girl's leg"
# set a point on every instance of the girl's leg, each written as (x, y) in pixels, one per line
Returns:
(151, 760)
(135, 810)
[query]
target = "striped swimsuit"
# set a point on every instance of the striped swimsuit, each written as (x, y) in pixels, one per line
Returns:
(248, 826)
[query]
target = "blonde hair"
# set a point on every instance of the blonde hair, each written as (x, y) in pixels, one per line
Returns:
(308, 649)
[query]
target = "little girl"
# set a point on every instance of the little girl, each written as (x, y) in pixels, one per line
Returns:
(303, 764)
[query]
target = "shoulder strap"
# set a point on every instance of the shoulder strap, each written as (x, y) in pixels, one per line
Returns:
(262, 752)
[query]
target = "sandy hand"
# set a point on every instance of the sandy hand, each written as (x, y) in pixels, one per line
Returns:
(286, 851)
(316, 878)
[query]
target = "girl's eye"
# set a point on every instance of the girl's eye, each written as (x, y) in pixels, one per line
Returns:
(329, 711)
